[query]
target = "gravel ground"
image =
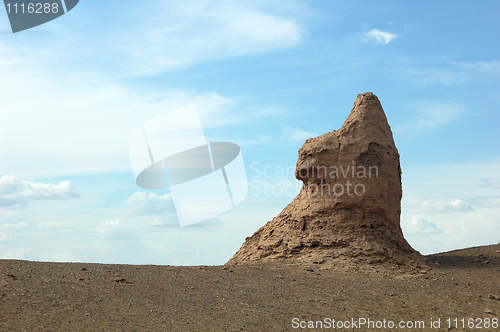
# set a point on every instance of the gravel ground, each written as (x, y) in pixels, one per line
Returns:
(38, 296)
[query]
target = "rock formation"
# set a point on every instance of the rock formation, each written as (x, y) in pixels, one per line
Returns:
(348, 209)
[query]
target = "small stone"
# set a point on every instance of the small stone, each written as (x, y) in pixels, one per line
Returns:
(489, 311)
(310, 270)
(479, 255)
(494, 297)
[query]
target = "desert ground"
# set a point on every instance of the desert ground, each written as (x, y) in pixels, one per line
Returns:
(42, 296)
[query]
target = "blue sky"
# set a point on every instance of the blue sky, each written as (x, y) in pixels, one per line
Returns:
(263, 74)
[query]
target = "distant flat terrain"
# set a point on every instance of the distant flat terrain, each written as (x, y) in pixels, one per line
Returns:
(461, 284)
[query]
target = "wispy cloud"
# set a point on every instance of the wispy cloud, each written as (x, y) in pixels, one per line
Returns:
(426, 76)
(114, 231)
(491, 68)
(445, 206)
(16, 254)
(420, 225)
(295, 134)
(14, 226)
(485, 201)
(491, 183)
(168, 35)
(437, 114)
(93, 120)
(457, 73)
(174, 224)
(430, 115)
(54, 224)
(112, 223)
(94, 111)
(4, 238)
(251, 142)
(380, 37)
(182, 33)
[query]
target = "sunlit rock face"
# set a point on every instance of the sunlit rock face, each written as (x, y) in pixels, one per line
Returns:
(348, 209)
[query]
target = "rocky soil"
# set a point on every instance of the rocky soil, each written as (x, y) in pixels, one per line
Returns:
(36, 296)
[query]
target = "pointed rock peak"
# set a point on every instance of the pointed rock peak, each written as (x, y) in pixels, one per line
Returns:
(368, 107)
(366, 98)
(368, 116)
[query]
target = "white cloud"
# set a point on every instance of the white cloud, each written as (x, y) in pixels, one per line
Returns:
(112, 223)
(14, 192)
(16, 254)
(430, 115)
(441, 206)
(182, 33)
(426, 76)
(421, 226)
(172, 223)
(4, 238)
(490, 68)
(491, 183)
(54, 224)
(83, 119)
(113, 230)
(485, 201)
(12, 188)
(438, 114)
(469, 72)
(446, 180)
(295, 134)
(457, 231)
(12, 204)
(14, 226)
(381, 37)
(150, 203)
(93, 120)
(251, 142)
(212, 222)
(174, 34)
